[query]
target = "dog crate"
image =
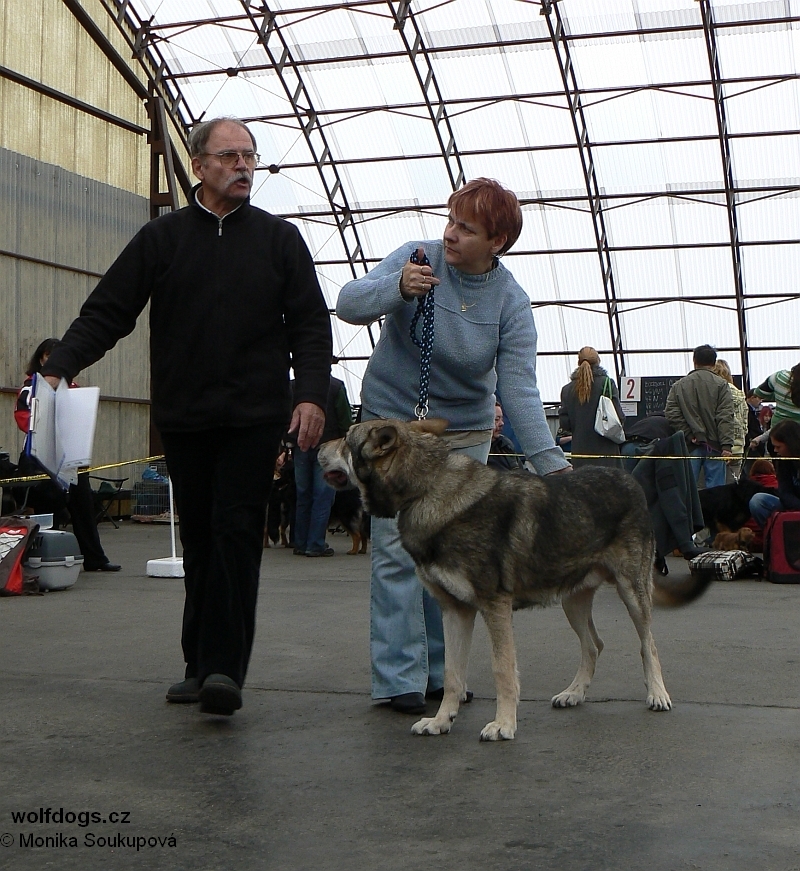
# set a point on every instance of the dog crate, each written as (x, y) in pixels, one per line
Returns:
(150, 493)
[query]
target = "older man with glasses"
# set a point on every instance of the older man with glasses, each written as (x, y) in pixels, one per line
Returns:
(234, 301)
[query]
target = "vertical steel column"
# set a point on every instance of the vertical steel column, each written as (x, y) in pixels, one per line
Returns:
(162, 154)
(277, 48)
(709, 31)
(555, 24)
(437, 109)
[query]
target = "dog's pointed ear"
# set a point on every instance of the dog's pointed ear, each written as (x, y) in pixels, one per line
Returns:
(383, 440)
(435, 426)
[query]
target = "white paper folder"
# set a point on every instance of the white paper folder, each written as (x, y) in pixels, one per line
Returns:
(61, 431)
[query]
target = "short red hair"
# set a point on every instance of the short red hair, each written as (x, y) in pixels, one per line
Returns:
(496, 208)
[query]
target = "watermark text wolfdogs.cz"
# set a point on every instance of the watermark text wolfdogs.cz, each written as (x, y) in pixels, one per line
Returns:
(58, 816)
(118, 838)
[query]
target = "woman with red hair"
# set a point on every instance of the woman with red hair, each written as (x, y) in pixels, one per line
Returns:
(483, 340)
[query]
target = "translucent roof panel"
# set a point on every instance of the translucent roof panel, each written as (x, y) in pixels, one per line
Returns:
(659, 180)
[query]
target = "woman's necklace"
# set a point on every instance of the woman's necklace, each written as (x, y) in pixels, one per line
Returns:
(464, 306)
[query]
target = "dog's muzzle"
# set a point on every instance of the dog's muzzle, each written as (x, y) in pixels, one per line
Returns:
(336, 479)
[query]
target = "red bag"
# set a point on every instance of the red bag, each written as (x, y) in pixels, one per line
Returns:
(16, 537)
(782, 547)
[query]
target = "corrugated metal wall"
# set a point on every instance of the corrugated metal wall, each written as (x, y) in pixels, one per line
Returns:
(58, 228)
(43, 41)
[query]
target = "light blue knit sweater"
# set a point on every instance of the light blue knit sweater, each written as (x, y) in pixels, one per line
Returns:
(490, 346)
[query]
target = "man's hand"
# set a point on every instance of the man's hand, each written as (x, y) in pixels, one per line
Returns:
(52, 381)
(308, 421)
(726, 453)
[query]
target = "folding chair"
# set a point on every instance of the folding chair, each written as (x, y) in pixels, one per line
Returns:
(108, 492)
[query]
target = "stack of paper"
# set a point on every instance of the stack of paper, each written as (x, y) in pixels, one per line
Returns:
(62, 424)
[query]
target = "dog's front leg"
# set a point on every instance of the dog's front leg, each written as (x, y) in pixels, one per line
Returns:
(458, 621)
(497, 617)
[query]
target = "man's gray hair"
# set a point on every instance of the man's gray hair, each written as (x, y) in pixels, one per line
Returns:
(198, 138)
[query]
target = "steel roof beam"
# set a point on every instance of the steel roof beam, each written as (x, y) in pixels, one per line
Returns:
(730, 185)
(150, 59)
(561, 48)
(68, 100)
(437, 110)
(272, 40)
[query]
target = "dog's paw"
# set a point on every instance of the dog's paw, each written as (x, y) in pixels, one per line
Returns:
(496, 731)
(568, 699)
(659, 701)
(431, 726)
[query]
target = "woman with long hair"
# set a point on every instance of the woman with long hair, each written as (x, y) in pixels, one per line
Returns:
(740, 411)
(785, 438)
(579, 401)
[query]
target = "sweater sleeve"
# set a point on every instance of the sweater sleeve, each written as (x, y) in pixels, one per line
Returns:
(364, 300)
(766, 390)
(516, 381)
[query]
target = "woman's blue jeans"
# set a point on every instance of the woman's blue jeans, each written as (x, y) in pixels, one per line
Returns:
(762, 505)
(406, 633)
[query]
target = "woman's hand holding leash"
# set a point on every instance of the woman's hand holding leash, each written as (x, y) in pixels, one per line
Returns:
(417, 278)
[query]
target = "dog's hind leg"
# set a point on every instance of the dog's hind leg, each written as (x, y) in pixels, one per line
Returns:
(497, 616)
(636, 597)
(458, 621)
(356, 540)
(578, 608)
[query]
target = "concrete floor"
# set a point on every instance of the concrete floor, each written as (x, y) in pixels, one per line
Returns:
(311, 774)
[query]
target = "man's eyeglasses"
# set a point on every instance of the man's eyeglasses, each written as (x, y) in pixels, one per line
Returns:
(229, 159)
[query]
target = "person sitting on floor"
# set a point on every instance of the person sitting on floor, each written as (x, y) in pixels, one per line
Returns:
(785, 439)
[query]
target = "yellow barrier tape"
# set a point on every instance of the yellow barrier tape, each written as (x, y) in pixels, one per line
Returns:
(44, 477)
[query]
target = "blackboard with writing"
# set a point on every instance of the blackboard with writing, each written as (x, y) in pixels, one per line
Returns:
(654, 393)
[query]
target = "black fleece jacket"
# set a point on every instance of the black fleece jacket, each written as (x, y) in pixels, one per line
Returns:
(233, 303)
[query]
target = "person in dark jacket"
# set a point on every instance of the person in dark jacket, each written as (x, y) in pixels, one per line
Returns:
(502, 453)
(700, 405)
(579, 401)
(314, 496)
(234, 301)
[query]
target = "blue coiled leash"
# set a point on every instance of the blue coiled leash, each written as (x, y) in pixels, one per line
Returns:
(425, 344)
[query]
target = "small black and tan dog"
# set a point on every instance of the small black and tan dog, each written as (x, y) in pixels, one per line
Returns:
(282, 499)
(348, 514)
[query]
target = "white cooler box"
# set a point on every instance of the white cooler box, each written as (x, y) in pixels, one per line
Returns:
(55, 559)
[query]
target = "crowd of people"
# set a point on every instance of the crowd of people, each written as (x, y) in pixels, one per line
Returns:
(235, 304)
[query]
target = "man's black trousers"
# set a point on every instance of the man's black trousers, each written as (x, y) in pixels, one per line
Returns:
(221, 479)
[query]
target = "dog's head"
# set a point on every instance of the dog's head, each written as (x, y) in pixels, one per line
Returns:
(389, 461)
(337, 470)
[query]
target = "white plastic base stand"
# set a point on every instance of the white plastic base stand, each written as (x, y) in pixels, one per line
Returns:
(168, 566)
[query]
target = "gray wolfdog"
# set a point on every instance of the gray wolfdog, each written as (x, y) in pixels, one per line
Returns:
(491, 541)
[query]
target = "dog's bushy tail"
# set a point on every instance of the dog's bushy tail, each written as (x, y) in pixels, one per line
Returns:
(674, 594)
